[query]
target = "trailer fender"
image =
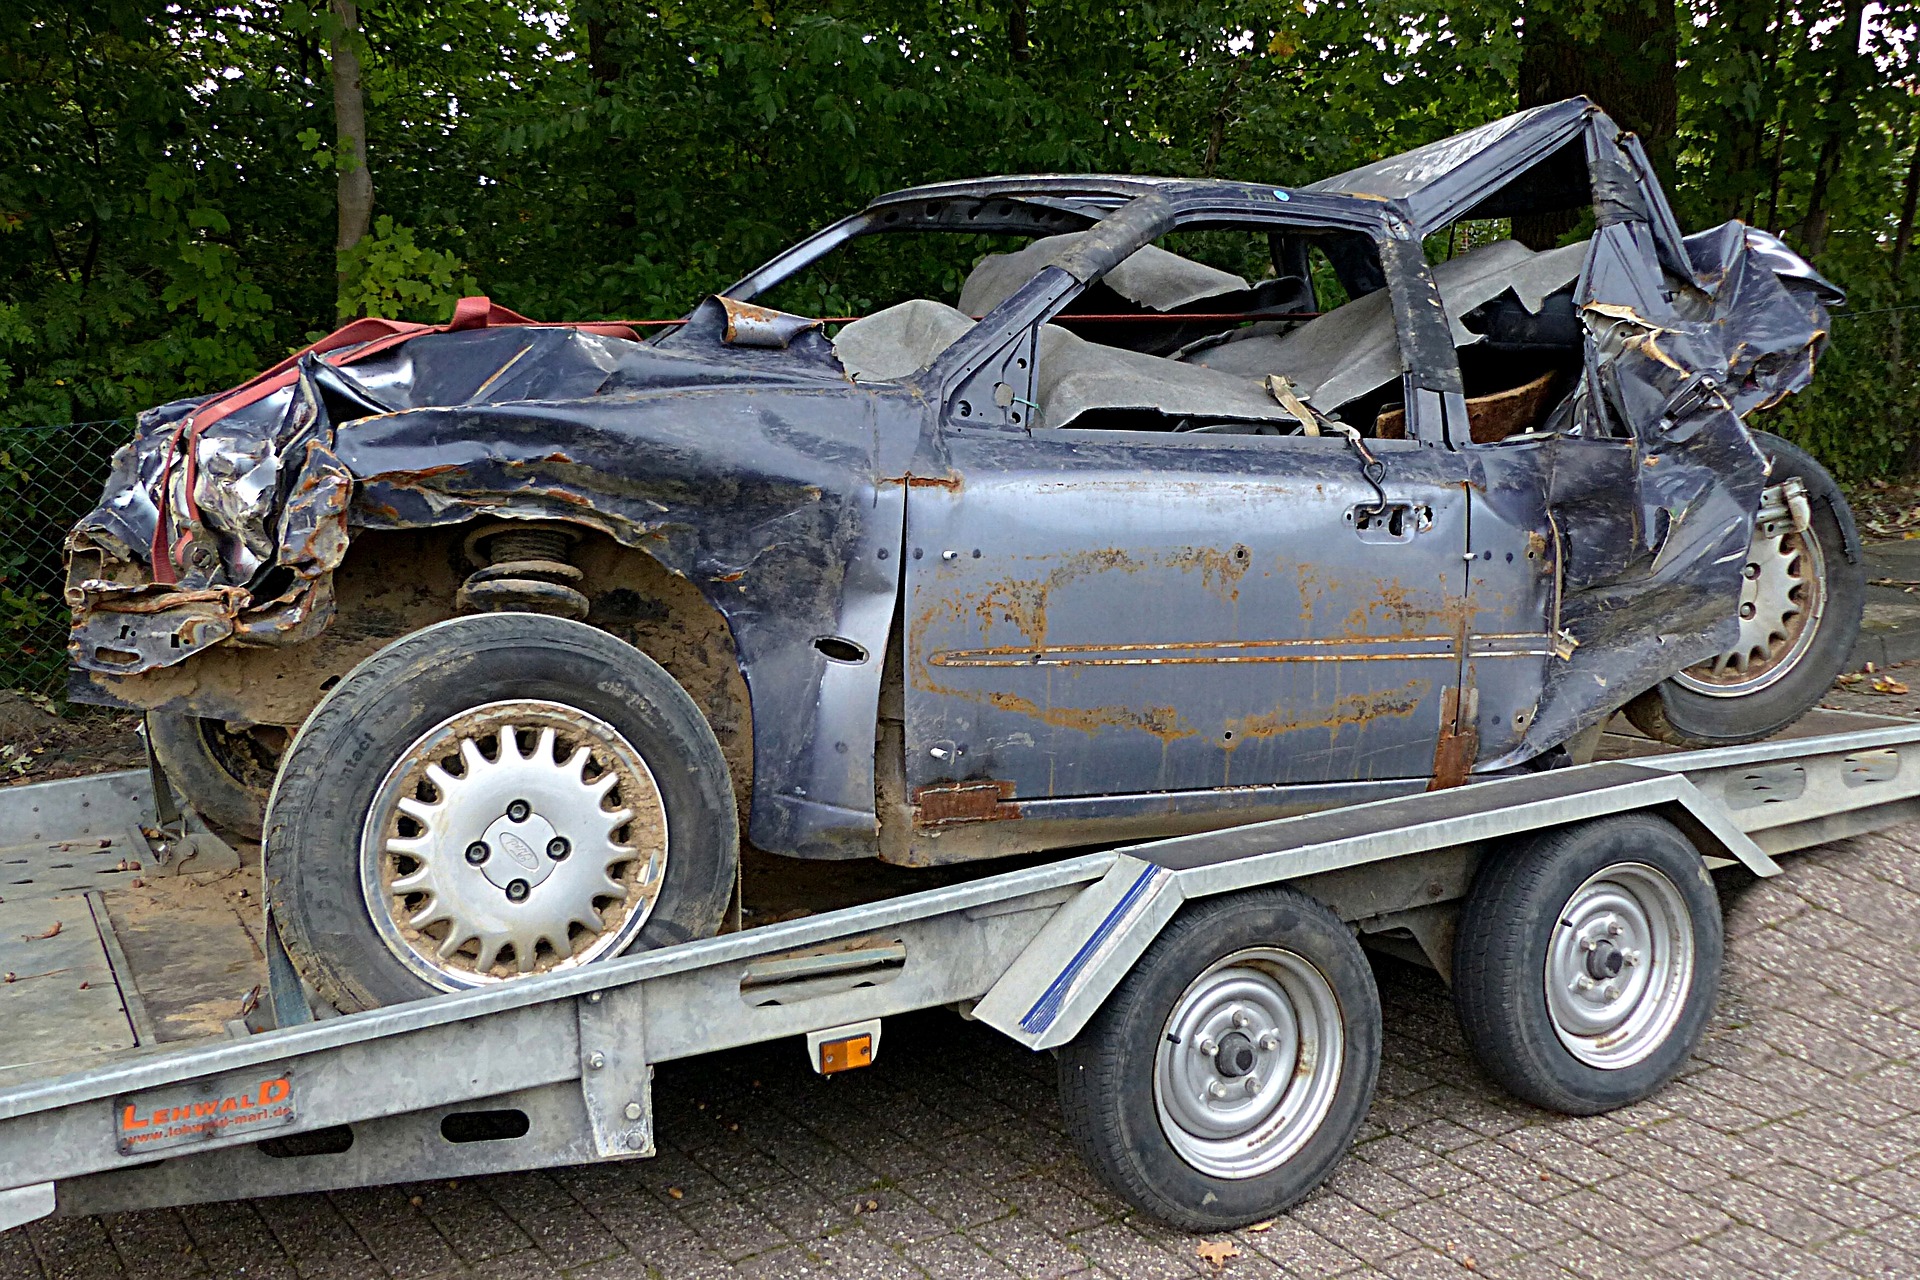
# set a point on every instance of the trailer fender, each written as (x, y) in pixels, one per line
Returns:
(1076, 960)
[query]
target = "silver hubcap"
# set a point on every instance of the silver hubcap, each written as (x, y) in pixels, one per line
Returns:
(1781, 600)
(1249, 1062)
(514, 838)
(1620, 966)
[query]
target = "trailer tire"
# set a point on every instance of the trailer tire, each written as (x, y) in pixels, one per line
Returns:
(225, 774)
(1556, 921)
(1819, 579)
(1128, 1082)
(609, 803)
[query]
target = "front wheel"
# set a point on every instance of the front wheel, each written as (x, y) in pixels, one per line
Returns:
(1800, 605)
(1227, 1074)
(1587, 962)
(495, 796)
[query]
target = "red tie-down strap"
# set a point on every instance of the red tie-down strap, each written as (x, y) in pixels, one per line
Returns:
(365, 338)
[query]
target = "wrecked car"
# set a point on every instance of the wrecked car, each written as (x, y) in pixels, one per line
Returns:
(528, 627)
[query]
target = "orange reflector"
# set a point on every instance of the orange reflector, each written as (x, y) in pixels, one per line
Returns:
(844, 1047)
(844, 1055)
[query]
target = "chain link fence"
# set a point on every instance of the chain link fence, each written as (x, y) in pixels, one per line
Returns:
(49, 477)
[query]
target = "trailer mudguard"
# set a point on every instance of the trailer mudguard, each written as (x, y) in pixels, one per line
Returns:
(1060, 980)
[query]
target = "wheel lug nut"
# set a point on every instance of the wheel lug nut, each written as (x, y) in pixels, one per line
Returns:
(517, 891)
(477, 852)
(1252, 1085)
(1239, 1018)
(558, 848)
(517, 810)
(1208, 1047)
(1269, 1042)
(1583, 983)
(1611, 994)
(1216, 1089)
(1630, 957)
(1613, 928)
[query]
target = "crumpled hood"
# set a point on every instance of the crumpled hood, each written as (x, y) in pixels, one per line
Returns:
(238, 503)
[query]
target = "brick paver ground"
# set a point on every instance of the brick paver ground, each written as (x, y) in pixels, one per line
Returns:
(1790, 1148)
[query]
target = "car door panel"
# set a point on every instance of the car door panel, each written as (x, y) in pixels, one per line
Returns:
(1102, 613)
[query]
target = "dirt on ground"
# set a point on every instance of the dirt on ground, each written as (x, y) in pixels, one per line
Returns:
(1884, 509)
(40, 742)
(1883, 691)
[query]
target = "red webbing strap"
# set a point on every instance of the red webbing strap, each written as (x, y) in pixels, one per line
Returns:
(368, 337)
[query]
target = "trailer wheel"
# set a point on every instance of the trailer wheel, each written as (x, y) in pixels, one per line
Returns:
(1587, 962)
(490, 797)
(225, 772)
(1227, 1074)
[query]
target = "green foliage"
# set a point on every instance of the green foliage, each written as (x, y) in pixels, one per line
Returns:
(167, 219)
(390, 274)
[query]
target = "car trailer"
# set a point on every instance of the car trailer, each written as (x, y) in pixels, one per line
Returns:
(1216, 1021)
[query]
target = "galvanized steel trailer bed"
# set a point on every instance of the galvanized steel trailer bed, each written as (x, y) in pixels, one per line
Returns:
(556, 1069)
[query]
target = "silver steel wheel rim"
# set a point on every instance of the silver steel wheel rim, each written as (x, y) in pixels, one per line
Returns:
(574, 834)
(1620, 966)
(1782, 599)
(1265, 1016)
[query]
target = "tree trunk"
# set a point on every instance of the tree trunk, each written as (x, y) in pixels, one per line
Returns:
(1903, 240)
(1017, 42)
(1839, 125)
(1627, 68)
(350, 129)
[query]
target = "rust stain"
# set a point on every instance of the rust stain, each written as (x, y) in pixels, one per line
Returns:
(1459, 743)
(912, 481)
(1163, 723)
(1221, 571)
(986, 800)
(1022, 602)
(1350, 709)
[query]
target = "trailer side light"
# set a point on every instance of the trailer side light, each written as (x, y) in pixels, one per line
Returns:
(844, 1048)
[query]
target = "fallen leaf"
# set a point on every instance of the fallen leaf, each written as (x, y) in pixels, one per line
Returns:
(85, 985)
(35, 937)
(1217, 1252)
(1264, 1225)
(1887, 684)
(676, 1193)
(415, 1201)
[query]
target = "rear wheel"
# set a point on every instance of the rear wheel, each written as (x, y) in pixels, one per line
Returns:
(491, 797)
(1587, 962)
(1800, 606)
(1227, 1074)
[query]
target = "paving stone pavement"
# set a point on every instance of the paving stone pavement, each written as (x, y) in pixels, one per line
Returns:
(1790, 1147)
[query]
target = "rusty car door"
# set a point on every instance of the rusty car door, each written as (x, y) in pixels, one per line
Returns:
(1112, 613)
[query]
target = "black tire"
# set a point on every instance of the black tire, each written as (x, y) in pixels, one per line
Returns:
(1522, 906)
(224, 773)
(1673, 713)
(1108, 1073)
(336, 768)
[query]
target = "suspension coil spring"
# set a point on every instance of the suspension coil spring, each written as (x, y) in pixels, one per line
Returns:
(523, 569)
